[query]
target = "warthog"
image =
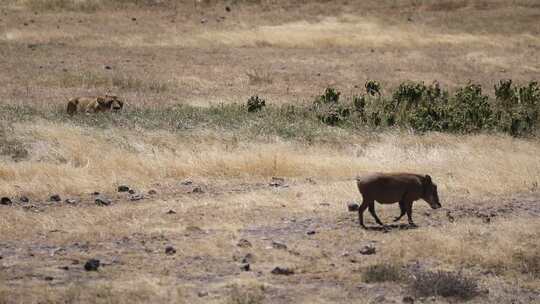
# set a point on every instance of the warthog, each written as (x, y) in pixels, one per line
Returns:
(389, 188)
(94, 104)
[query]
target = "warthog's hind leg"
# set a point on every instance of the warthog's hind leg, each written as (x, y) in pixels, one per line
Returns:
(403, 210)
(361, 210)
(408, 207)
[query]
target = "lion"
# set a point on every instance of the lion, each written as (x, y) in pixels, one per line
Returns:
(94, 104)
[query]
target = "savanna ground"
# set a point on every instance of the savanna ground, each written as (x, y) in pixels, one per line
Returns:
(180, 66)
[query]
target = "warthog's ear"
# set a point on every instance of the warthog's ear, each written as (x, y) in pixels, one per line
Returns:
(72, 106)
(427, 179)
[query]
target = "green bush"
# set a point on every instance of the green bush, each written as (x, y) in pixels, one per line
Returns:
(516, 108)
(328, 108)
(255, 104)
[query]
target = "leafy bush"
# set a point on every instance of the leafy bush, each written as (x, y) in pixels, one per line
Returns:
(255, 104)
(517, 108)
(445, 284)
(469, 110)
(328, 108)
(373, 87)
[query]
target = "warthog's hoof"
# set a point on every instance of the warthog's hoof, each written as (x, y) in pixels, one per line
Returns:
(352, 207)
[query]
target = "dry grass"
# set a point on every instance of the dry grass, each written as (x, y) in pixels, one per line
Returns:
(163, 55)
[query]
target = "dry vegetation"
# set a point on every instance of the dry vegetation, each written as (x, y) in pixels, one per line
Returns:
(180, 65)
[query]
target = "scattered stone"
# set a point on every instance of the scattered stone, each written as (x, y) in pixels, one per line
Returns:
(64, 267)
(170, 250)
(278, 245)
(311, 232)
(108, 67)
(202, 294)
(352, 207)
(95, 193)
(102, 201)
(123, 188)
(243, 243)
(325, 204)
(131, 191)
(171, 211)
(186, 182)
(450, 217)
(408, 300)
(197, 189)
(48, 278)
(92, 265)
(24, 199)
(311, 181)
(277, 182)
(204, 20)
(228, 8)
(70, 201)
(248, 258)
(152, 192)
(379, 299)
(245, 267)
(5, 201)
(136, 197)
(282, 271)
(55, 198)
(368, 250)
(133, 19)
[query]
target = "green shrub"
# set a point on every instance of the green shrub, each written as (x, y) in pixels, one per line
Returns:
(255, 104)
(373, 87)
(383, 273)
(469, 110)
(328, 108)
(445, 284)
(516, 108)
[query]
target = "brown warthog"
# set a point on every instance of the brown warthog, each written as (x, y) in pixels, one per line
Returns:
(389, 188)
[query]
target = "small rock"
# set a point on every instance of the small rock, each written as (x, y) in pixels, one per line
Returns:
(186, 182)
(352, 207)
(55, 198)
(245, 267)
(248, 259)
(368, 250)
(278, 245)
(5, 201)
(95, 193)
(152, 192)
(136, 197)
(202, 294)
(123, 188)
(197, 190)
(311, 181)
(170, 250)
(108, 67)
(92, 265)
(408, 300)
(131, 191)
(64, 267)
(228, 8)
(204, 20)
(102, 201)
(379, 299)
(24, 199)
(70, 201)
(243, 243)
(325, 204)
(133, 19)
(277, 182)
(282, 271)
(311, 232)
(171, 211)
(48, 278)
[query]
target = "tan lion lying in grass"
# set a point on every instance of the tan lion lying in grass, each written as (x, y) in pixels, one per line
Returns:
(94, 104)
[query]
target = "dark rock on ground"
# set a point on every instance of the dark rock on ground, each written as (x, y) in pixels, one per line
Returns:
(352, 207)
(243, 243)
(408, 300)
(278, 245)
(102, 201)
(55, 198)
(136, 197)
(152, 192)
(123, 188)
(186, 182)
(368, 250)
(95, 193)
(277, 182)
(245, 267)
(170, 250)
(131, 191)
(202, 294)
(92, 265)
(197, 190)
(5, 201)
(282, 271)
(24, 199)
(171, 211)
(311, 232)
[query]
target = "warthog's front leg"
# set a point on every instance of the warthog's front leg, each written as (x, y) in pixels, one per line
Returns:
(408, 207)
(372, 211)
(361, 210)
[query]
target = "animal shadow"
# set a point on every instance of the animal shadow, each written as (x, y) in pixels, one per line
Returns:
(391, 227)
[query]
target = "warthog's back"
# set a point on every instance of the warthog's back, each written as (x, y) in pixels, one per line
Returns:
(389, 188)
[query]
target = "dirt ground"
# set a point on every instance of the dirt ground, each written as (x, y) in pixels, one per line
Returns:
(212, 213)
